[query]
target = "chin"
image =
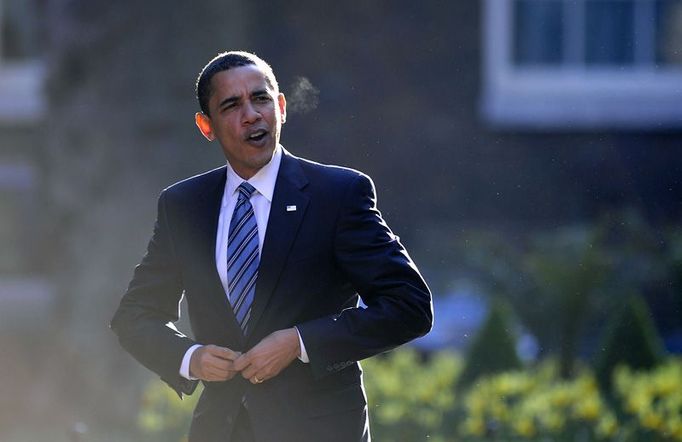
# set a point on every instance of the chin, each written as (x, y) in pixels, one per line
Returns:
(262, 160)
(266, 154)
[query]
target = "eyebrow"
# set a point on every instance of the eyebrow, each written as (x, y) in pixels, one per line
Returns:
(235, 98)
(259, 92)
(228, 100)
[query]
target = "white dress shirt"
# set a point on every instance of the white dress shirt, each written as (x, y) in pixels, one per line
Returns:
(261, 200)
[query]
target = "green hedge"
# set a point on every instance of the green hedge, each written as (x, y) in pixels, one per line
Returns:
(493, 349)
(630, 339)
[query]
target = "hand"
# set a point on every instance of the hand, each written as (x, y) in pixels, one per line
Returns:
(213, 363)
(270, 356)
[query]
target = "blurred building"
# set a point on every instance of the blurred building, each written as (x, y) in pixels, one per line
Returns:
(25, 291)
(588, 64)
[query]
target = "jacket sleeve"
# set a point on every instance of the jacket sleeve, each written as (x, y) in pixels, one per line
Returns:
(398, 301)
(145, 316)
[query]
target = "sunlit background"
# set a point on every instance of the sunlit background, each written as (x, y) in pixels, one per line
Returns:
(527, 152)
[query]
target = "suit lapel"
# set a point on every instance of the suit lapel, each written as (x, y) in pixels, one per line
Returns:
(289, 204)
(207, 210)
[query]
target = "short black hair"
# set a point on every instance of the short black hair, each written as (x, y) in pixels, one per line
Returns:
(223, 62)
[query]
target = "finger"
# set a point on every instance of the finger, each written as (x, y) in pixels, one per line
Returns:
(209, 361)
(220, 352)
(255, 379)
(214, 371)
(219, 375)
(228, 354)
(223, 352)
(216, 362)
(218, 371)
(242, 362)
(250, 372)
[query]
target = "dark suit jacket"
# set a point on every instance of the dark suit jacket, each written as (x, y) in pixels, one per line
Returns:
(314, 263)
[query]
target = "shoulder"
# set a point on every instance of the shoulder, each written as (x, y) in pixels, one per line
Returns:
(329, 173)
(197, 185)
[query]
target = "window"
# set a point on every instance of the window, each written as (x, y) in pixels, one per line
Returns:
(21, 68)
(583, 63)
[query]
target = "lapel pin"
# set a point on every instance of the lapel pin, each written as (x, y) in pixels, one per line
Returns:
(291, 208)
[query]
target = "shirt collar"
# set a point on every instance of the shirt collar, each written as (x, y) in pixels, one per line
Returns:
(264, 180)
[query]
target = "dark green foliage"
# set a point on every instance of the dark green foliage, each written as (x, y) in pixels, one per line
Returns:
(494, 347)
(566, 267)
(630, 339)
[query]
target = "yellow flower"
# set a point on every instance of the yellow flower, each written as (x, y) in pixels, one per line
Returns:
(561, 396)
(607, 426)
(651, 420)
(637, 402)
(499, 411)
(524, 427)
(673, 427)
(588, 409)
(553, 422)
(473, 427)
(475, 403)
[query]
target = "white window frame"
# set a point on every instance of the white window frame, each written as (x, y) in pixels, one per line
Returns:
(570, 97)
(22, 99)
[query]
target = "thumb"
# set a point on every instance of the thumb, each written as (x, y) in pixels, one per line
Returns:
(241, 362)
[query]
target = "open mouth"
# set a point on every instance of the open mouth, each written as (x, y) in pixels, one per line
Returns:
(257, 135)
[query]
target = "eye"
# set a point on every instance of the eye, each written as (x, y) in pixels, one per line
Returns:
(228, 106)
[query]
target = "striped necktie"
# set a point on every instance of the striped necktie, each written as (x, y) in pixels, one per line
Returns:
(242, 256)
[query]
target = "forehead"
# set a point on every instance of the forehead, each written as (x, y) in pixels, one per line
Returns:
(238, 81)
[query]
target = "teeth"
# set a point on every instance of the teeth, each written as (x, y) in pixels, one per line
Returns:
(257, 134)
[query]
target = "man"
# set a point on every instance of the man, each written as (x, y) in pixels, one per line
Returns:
(271, 252)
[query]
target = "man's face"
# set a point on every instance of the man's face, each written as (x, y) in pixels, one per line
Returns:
(246, 117)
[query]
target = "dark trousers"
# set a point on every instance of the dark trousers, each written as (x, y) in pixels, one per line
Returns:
(242, 431)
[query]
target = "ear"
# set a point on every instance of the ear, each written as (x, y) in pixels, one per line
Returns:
(204, 125)
(282, 107)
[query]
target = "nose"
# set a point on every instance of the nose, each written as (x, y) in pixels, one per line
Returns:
(250, 113)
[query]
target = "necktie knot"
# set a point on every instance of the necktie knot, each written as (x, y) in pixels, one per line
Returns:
(245, 190)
